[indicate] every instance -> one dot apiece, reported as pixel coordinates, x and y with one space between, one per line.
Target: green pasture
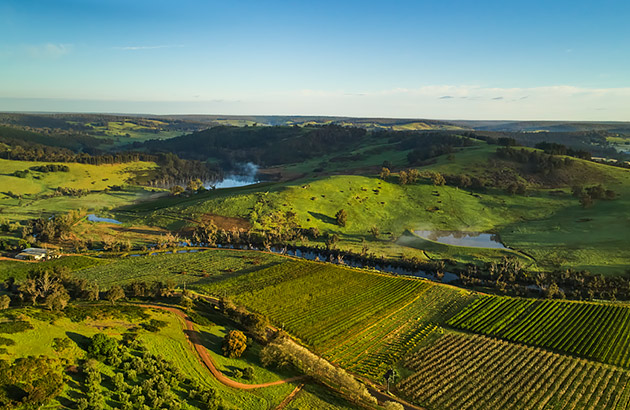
24 198
548 225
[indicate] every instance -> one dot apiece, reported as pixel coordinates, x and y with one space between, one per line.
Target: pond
94 218
459 238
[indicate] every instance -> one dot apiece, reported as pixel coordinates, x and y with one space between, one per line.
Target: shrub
15 327
154 325
102 346
234 343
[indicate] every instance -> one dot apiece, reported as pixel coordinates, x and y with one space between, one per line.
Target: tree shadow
208 340
82 341
324 218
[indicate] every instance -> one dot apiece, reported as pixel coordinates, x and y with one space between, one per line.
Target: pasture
547 224
33 195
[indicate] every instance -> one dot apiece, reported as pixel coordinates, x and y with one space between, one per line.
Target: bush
5 341
15 327
154 325
102 346
234 343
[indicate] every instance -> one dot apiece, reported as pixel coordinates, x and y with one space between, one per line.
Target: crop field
18 269
320 303
387 340
594 331
189 267
316 397
362 321
477 372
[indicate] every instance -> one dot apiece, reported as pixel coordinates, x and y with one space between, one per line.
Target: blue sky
422 59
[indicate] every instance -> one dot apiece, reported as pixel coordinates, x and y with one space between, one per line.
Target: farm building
34 254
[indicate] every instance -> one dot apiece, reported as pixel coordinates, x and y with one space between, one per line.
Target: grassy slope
81 176
550 228
170 342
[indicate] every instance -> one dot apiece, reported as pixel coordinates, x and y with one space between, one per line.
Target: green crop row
595 331
478 372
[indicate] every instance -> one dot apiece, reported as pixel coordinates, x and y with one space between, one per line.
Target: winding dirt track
204 357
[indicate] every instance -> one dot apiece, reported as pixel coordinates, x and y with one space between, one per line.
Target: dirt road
204 356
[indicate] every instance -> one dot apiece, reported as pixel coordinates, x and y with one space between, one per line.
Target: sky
516 60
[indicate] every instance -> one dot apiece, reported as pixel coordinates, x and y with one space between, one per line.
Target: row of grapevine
594 331
478 372
321 303
379 345
360 320
196 267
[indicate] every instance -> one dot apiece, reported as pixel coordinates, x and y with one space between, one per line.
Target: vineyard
477 372
363 321
190 268
386 341
593 331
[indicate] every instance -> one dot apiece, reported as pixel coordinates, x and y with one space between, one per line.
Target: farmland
599 332
363 321
189 268
478 372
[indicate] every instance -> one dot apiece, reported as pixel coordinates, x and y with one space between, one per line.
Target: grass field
169 342
547 224
174 345
590 330
477 372
33 189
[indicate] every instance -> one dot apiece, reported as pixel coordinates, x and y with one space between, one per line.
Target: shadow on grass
324 218
82 341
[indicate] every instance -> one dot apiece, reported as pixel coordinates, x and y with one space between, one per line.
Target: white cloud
49 50
472 102
561 102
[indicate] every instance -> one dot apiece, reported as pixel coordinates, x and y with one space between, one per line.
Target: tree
194 185
58 299
234 343
177 190
114 294
390 376
393 405
186 302
5 301
413 175
102 346
437 179
403 177
374 231
248 373
342 217
385 173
